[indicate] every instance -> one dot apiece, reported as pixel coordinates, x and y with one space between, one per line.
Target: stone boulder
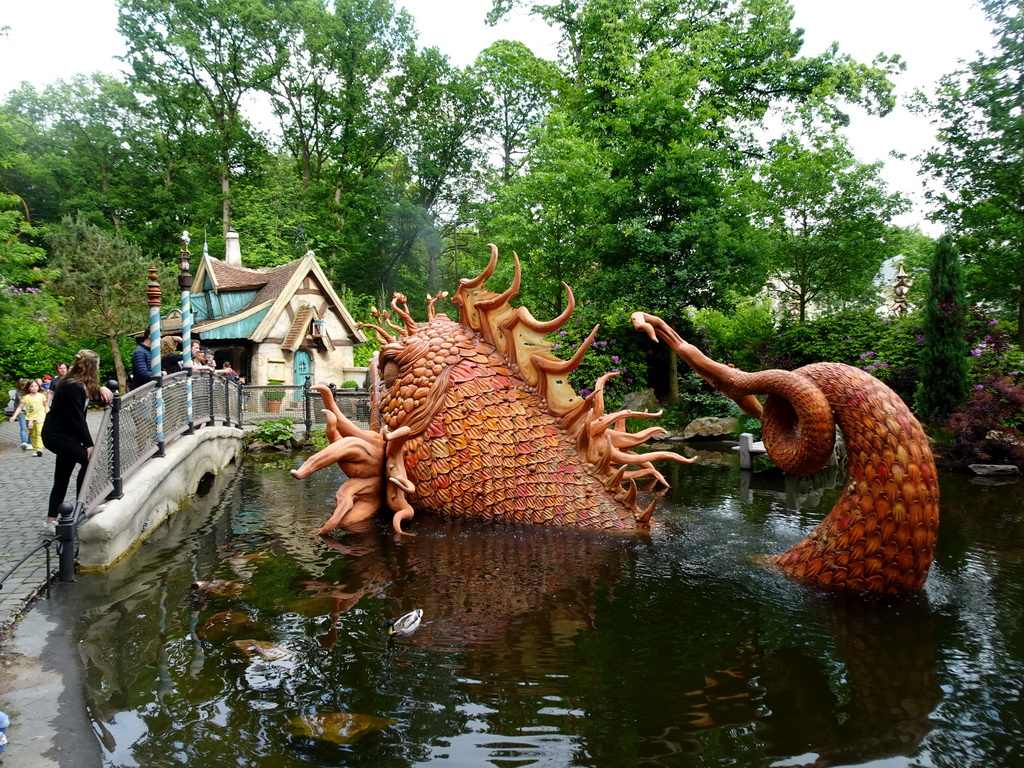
990 470
711 426
643 400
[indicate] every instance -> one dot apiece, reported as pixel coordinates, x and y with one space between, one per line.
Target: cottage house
274 325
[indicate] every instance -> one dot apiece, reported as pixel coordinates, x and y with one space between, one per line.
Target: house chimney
232 251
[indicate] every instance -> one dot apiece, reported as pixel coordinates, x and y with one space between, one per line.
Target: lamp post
185 283
153 296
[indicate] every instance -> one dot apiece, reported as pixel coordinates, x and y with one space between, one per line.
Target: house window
317 329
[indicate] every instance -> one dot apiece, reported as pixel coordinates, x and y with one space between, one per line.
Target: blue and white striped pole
185 283
153 294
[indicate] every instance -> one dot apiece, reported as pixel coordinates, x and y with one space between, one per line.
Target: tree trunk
225 194
673 378
115 353
1020 317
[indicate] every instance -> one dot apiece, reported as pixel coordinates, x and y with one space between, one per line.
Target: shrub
362 354
738 337
272 431
613 349
350 385
886 347
988 427
318 437
273 394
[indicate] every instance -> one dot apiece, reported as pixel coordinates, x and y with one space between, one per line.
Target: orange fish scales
857 552
881 506
813 568
857 530
873 565
872 544
922 537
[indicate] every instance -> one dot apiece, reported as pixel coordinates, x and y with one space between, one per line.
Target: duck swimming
406 624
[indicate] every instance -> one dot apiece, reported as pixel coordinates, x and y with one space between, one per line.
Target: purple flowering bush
31 342
989 428
616 348
884 346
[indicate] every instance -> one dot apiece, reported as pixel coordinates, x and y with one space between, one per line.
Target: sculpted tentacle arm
718 375
880 535
360 455
399 483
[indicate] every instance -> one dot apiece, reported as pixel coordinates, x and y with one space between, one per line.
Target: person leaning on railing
66 430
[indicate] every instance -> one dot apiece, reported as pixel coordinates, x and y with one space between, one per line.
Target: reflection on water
552 648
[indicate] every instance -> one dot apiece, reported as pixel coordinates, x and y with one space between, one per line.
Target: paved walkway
25 482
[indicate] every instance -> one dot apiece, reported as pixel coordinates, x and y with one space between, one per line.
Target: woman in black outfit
66 431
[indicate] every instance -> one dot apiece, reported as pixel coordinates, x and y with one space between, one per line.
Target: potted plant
274 397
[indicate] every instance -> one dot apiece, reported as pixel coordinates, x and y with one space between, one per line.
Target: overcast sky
50 39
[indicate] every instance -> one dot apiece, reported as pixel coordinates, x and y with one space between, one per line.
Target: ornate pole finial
153 288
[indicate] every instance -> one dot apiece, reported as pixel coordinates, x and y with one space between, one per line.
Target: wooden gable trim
203 272
296 335
309 269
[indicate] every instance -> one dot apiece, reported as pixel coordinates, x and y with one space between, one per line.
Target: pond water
552 648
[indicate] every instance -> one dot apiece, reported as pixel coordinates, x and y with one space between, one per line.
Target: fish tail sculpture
880 535
476 418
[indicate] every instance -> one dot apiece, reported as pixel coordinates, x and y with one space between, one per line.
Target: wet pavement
39 666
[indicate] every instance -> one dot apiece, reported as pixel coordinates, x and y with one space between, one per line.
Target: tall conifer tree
944 369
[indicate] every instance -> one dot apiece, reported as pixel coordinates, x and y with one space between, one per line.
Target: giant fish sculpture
476 418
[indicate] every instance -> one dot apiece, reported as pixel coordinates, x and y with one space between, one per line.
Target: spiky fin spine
520 338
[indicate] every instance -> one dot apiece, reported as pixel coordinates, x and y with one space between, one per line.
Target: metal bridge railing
129 436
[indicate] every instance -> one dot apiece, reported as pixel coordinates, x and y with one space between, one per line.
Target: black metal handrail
120 452
45 544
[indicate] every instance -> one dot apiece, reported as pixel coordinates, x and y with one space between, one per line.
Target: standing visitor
141 357
19 415
198 358
35 406
66 430
61 370
228 372
170 357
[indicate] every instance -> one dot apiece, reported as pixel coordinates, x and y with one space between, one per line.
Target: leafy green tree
669 96
31 332
824 220
344 110
219 52
944 365
440 172
102 279
18 254
520 85
84 149
978 112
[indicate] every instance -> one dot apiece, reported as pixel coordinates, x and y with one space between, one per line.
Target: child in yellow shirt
36 408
